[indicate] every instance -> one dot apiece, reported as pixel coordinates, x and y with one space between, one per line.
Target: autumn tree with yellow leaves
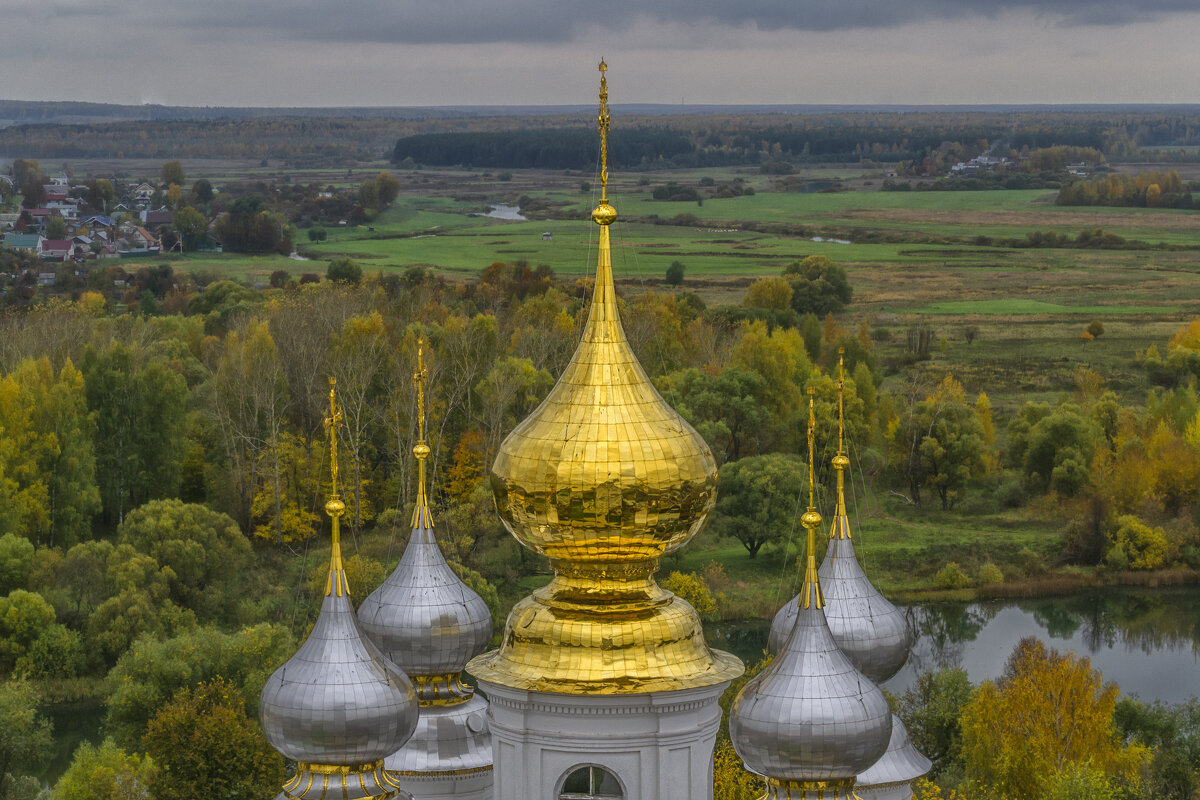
1049 713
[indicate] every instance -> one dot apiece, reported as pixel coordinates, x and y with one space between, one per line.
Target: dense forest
164 472
712 139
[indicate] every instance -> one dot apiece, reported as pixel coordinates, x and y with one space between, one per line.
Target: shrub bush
990 575
951 576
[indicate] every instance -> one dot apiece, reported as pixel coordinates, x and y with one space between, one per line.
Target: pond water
502 211
74 723
1147 642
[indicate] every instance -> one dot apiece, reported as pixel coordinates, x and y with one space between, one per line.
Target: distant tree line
774 141
1145 190
545 148
565 141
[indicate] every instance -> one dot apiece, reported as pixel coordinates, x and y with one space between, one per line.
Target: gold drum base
604 631
810 790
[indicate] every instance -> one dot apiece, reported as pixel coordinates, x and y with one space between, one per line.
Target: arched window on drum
591 783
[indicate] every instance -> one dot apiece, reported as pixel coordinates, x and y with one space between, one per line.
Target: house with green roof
23 241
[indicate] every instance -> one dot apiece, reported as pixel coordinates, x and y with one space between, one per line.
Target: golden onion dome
604 470
604 477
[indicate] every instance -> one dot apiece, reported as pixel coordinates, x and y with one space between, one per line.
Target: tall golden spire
603 478
421 516
604 304
810 594
335 508
840 529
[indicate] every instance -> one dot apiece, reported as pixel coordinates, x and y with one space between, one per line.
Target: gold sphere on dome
604 214
840 461
810 519
335 507
421 450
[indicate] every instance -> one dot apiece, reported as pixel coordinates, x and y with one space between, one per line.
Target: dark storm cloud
458 22
469 21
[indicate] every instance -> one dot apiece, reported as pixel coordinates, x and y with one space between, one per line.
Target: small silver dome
869 629
423 617
338 700
900 764
810 715
810 719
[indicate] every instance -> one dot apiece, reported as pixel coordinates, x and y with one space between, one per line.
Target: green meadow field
915 261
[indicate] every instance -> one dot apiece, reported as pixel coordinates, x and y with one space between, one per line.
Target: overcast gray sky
455 52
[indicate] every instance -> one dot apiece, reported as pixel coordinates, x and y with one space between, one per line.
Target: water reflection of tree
1058 620
945 631
1156 621
1141 621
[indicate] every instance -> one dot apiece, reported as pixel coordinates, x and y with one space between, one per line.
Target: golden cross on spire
331 425
421 516
604 121
419 378
812 430
841 384
811 594
336 582
840 528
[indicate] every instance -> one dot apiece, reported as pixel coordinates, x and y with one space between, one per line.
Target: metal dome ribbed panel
423 617
810 715
900 764
448 738
338 700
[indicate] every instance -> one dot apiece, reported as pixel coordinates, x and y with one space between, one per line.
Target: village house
55 249
142 194
159 216
24 241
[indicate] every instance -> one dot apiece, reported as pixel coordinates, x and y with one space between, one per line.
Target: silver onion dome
423 617
898 767
810 722
810 715
430 623
869 629
338 706
338 700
